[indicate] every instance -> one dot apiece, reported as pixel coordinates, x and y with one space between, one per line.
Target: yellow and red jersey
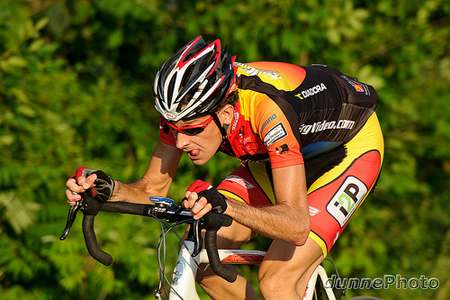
288 114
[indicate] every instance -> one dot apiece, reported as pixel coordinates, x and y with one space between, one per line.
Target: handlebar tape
213 221
91 241
214 260
126 208
88 228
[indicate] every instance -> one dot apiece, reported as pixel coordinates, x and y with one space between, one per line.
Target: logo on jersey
282 149
275 134
271 118
347 199
325 125
311 91
241 181
253 71
236 120
358 86
313 211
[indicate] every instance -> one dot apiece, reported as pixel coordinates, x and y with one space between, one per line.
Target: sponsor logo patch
236 120
282 149
347 199
324 125
241 181
358 86
275 134
266 122
311 91
253 71
313 211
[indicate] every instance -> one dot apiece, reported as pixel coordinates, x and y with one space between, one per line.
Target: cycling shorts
338 183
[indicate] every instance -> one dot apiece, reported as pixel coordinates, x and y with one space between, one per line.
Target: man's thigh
250 184
231 237
234 236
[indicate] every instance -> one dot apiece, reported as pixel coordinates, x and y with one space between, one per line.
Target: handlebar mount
162 208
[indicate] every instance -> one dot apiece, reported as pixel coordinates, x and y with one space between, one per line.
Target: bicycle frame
319 273
183 281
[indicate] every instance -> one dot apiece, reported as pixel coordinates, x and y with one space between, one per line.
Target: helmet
194 81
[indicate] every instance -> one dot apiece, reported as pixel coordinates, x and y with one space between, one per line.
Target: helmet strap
225 142
221 128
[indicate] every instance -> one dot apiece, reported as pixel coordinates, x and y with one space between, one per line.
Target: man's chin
200 159
199 162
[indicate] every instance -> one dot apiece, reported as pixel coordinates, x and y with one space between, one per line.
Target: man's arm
155 182
288 220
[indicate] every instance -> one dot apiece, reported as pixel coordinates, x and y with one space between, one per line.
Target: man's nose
182 140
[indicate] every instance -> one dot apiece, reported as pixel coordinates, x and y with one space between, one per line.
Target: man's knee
273 284
286 269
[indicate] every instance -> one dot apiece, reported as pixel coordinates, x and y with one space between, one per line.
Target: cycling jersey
288 114
338 183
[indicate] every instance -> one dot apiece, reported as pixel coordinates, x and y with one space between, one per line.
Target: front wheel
364 298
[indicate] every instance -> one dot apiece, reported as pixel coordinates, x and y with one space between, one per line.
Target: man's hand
202 197
96 182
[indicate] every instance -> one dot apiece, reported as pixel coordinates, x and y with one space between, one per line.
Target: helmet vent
170 88
188 97
187 75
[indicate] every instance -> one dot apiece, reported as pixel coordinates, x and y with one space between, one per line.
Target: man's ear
226 114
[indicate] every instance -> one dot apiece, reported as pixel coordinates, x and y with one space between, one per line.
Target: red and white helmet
194 81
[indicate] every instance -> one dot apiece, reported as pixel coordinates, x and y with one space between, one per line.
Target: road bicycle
191 255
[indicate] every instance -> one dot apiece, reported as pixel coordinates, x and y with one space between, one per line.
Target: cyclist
311 149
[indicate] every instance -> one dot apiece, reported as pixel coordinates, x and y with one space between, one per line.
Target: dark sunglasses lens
193 131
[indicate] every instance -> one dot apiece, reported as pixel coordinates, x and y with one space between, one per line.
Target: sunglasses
190 130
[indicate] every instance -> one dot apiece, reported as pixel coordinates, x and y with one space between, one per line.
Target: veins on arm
156 180
288 220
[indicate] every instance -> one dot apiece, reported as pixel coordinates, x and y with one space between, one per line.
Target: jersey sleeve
275 131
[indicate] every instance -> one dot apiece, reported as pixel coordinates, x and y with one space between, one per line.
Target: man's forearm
135 192
280 221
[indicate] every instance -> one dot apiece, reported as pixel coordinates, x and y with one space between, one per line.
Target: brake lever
71 218
197 238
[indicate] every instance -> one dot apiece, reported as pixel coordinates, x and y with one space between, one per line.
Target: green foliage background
75 90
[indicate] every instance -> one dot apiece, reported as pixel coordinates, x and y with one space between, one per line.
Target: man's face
202 146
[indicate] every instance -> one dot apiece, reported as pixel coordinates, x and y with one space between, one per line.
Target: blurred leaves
76 79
